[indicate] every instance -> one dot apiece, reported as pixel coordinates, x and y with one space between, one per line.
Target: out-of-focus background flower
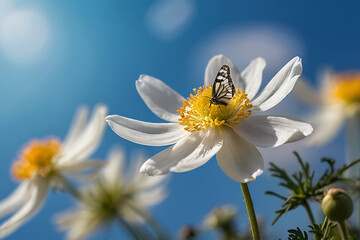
57 55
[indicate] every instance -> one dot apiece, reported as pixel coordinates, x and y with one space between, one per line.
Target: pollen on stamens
347 87
36 157
198 114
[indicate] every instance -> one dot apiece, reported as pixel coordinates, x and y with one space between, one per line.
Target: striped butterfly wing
223 88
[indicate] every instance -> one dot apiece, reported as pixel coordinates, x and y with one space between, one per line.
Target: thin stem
343 231
309 212
327 224
358 202
353 148
68 187
251 211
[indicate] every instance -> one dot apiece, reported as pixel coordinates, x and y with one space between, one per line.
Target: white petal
133 174
152 134
327 123
34 203
160 98
68 219
143 182
214 66
252 76
307 94
82 177
77 166
88 139
152 197
15 200
271 131
79 223
130 215
77 126
150 182
79 170
326 77
279 87
139 181
187 154
114 168
239 159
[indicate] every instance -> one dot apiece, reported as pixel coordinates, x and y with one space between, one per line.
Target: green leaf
297 234
302 186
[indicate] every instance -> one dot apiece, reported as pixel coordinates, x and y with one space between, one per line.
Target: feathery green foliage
303 186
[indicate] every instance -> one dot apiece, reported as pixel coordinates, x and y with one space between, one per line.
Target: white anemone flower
42 164
199 130
337 100
118 194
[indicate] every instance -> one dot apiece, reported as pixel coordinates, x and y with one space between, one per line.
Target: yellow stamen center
347 87
36 157
197 114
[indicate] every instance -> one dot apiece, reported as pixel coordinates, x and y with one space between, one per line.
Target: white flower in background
168 19
42 164
199 130
117 195
337 100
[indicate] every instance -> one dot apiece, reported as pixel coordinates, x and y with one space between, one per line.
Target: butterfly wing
223 88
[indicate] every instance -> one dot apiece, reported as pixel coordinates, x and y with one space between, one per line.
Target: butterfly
223 88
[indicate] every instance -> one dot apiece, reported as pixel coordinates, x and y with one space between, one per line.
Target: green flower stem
309 212
311 216
327 224
68 187
251 211
73 191
353 148
343 230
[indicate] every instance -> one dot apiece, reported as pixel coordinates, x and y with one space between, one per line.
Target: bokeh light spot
24 35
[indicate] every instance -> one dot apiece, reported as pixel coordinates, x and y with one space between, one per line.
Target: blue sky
57 55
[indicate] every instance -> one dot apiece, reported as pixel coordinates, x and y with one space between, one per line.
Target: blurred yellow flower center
348 87
36 157
197 114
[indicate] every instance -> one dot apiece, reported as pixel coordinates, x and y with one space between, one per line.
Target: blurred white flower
220 217
24 35
118 194
337 100
42 164
200 130
167 19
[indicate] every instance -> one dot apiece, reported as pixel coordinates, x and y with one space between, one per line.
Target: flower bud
188 232
337 205
221 217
